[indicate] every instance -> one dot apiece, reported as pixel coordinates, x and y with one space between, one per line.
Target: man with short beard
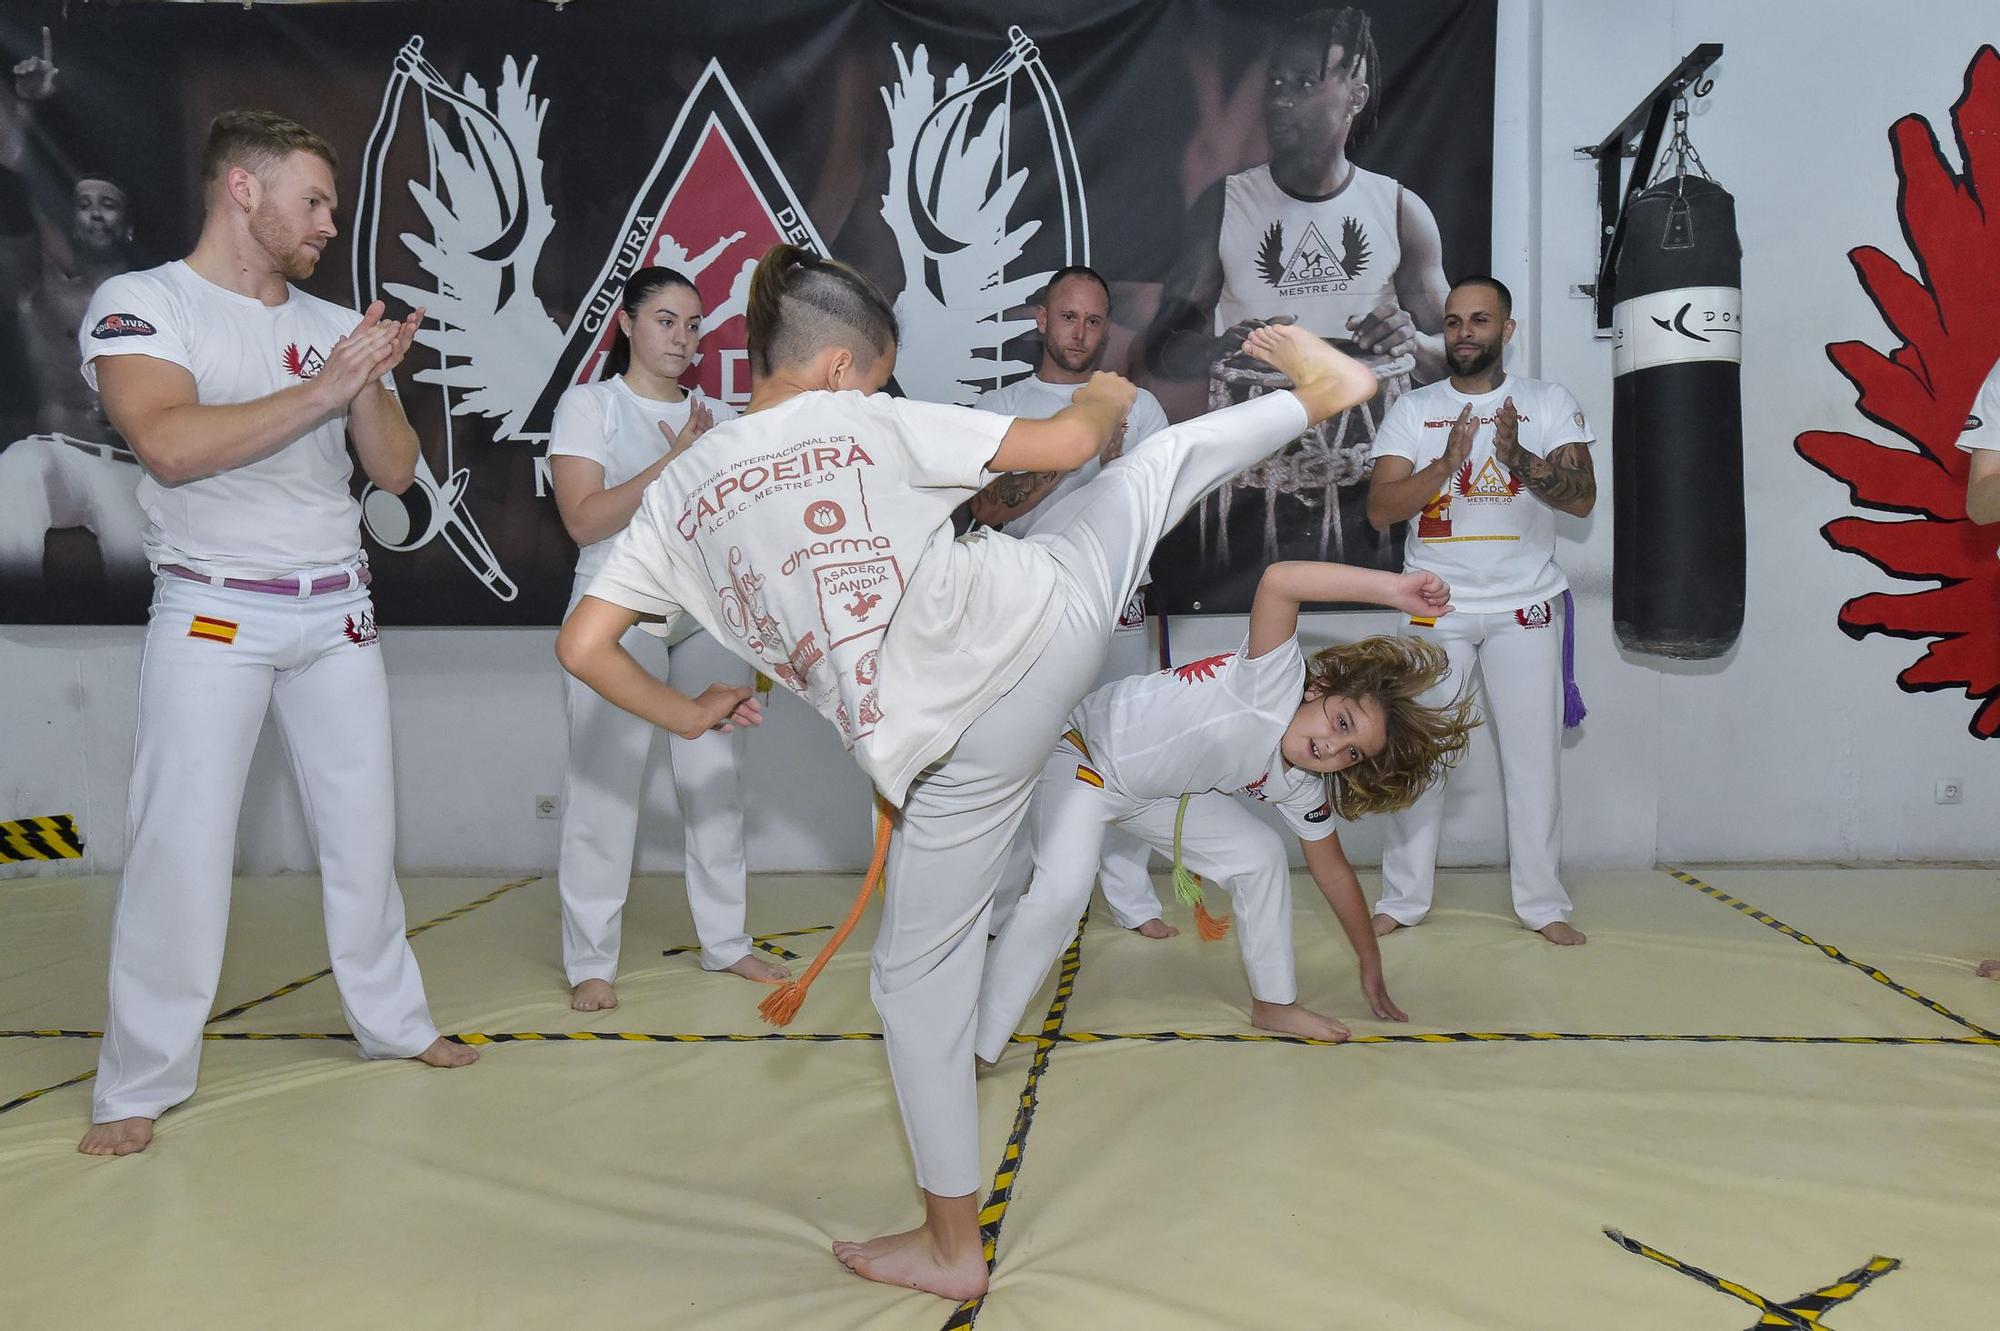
1074 319
1483 461
239 393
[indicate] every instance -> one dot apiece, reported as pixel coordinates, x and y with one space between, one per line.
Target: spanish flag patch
1424 621
1088 777
215 630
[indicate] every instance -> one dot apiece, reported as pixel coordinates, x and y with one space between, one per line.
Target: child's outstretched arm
1071 437
1274 614
588 648
1336 881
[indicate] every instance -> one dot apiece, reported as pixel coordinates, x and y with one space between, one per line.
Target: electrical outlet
1950 791
547 806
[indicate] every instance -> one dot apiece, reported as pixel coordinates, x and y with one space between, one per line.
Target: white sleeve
1309 819
578 428
1401 432
1274 680
131 314
947 447
637 572
1982 427
1565 422
1147 418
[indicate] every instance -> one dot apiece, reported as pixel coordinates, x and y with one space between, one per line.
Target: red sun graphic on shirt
1922 391
1196 671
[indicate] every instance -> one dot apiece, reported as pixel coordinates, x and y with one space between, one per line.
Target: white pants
962 814
1221 840
48 483
1519 655
1121 870
608 751
201 703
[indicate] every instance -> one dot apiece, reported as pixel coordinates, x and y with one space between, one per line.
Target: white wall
1798 746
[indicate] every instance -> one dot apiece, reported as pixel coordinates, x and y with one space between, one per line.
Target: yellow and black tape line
1770 921
639 1037
762 942
50 838
1803 1313
293 987
994 1213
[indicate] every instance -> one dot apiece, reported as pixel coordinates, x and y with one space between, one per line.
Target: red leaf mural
1922 390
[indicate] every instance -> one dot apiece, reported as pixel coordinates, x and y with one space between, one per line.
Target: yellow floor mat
1459 1172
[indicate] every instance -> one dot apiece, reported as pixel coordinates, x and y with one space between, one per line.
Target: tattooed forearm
1011 494
1564 480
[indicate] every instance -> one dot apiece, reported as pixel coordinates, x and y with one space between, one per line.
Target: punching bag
1677 422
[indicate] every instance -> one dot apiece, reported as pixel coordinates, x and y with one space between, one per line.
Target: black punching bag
1677 423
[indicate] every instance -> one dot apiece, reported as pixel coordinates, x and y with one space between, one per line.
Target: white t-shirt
1323 261
290 511
1982 426
614 427
1212 724
1494 542
813 539
1037 399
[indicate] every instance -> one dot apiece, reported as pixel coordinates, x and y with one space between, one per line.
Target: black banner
507 170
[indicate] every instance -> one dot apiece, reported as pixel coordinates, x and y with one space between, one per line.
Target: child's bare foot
1989 970
593 996
121 1136
1291 1019
754 967
909 1259
444 1053
1156 928
1324 380
1386 925
1561 934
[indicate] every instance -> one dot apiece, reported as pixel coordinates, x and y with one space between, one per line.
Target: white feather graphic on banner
494 341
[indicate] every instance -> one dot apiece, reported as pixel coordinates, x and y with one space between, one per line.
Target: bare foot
754 967
593 996
121 1136
1989 970
1561 934
910 1260
1325 381
1291 1019
444 1053
1386 925
1156 928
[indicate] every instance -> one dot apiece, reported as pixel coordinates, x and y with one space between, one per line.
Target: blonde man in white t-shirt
239 394
813 535
1484 461
1074 319
1981 439
609 441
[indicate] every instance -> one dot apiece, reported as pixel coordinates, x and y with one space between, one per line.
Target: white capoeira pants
1121 872
608 751
1221 840
202 701
51 481
1519 657
961 816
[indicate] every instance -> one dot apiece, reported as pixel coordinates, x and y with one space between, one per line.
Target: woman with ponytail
813 536
610 440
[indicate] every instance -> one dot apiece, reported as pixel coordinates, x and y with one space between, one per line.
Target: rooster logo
1196 671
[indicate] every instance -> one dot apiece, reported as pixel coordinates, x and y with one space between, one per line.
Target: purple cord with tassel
1573 709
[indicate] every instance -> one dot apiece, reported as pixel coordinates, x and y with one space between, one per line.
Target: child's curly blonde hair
1421 741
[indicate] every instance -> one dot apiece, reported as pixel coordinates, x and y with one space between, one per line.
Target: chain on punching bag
1677 417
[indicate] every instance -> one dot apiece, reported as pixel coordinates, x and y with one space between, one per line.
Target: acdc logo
825 517
1535 616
